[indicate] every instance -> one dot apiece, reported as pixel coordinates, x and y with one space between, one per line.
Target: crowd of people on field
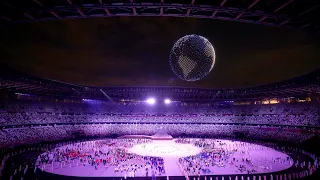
108 154
104 154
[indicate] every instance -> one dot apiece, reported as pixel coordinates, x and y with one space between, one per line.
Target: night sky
134 51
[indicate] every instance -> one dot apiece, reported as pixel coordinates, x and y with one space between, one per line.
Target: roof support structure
276 10
79 10
6 18
189 10
134 9
38 10
106 95
38 2
161 9
300 14
51 11
304 26
308 10
221 4
249 7
29 16
55 14
105 9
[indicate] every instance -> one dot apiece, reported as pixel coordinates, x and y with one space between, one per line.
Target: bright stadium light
151 101
167 101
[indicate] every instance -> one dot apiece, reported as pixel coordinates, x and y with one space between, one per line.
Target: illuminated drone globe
192 57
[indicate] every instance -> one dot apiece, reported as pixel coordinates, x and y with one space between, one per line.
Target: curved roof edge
17 81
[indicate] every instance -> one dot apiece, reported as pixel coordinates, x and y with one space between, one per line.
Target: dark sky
131 51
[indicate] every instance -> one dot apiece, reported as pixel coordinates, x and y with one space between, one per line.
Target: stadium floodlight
167 101
151 101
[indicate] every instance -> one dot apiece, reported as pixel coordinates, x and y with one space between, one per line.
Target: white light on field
167 101
151 101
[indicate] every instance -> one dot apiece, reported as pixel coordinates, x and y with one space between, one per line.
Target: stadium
264 117
66 114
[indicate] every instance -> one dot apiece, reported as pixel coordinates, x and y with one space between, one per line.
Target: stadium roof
291 14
